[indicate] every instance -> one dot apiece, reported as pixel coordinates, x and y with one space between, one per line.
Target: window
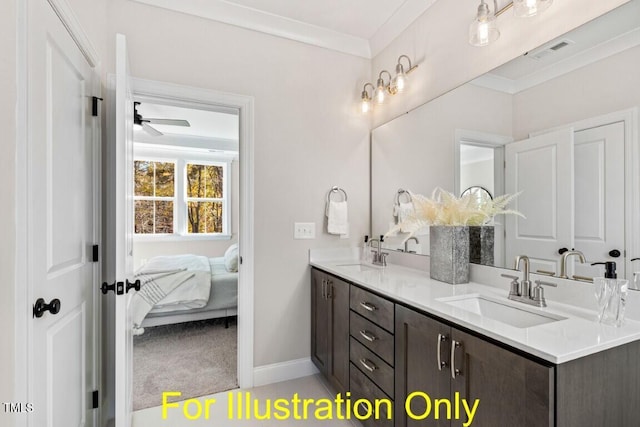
184 197
154 197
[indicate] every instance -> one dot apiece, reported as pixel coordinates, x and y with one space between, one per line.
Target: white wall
478 173
437 40
603 87
7 207
209 248
309 136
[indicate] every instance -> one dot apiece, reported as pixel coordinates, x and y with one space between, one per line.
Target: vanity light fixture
483 30
391 86
366 99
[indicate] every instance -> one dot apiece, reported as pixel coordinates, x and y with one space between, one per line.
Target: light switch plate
304 230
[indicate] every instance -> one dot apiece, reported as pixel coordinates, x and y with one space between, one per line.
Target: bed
187 298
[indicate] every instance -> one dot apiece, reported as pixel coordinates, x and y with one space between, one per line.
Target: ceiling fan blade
151 130
169 122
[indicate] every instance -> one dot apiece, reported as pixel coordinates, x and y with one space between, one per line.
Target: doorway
207 102
185 229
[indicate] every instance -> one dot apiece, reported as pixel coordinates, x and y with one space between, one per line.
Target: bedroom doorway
190 217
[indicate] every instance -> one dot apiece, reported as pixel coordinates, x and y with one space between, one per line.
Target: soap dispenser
611 294
365 256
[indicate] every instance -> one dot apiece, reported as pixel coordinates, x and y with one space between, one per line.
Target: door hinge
95 399
94 105
240 258
95 251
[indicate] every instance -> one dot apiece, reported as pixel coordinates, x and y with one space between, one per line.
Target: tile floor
310 387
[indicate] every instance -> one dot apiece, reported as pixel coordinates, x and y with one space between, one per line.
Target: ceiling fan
145 123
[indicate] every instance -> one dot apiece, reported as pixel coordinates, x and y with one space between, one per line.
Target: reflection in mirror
557 125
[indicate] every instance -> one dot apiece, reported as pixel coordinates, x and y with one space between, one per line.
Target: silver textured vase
449 253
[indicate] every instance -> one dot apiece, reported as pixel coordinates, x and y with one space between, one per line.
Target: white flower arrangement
443 208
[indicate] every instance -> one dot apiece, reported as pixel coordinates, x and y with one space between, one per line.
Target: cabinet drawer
372 336
373 307
372 366
362 387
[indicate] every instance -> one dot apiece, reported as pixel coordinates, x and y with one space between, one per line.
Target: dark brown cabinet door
319 321
338 326
417 367
330 328
512 390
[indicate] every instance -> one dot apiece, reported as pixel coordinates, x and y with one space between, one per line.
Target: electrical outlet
304 230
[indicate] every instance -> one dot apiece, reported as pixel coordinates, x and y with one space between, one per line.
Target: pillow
231 258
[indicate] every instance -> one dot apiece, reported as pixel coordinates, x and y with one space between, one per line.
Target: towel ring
335 189
400 193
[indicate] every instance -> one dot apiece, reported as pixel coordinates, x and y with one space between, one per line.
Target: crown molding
253 19
280 26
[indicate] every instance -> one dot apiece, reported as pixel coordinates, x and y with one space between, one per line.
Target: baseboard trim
283 371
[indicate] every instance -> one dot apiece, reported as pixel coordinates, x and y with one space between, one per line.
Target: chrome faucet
379 257
523 292
406 244
563 263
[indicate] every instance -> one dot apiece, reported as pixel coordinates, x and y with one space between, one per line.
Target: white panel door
61 223
541 169
599 197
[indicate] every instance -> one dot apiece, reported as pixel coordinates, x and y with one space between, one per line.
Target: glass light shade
399 83
365 105
526 8
483 30
380 94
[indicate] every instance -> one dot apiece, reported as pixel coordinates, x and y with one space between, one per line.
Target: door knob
133 285
40 307
614 253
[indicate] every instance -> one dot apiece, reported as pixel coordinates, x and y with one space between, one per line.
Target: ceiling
358 27
215 130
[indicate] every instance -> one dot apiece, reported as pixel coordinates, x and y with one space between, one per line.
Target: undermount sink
357 267
519 317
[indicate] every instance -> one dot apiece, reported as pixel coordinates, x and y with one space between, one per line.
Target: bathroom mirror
558 124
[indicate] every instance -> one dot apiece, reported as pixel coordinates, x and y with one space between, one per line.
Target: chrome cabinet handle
324 289
454 372
368 306
368 365
329 289
441 364
367 336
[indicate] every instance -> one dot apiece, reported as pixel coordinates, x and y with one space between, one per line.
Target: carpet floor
194 358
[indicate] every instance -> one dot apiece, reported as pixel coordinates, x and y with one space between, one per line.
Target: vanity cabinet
447 363
330 328
376 348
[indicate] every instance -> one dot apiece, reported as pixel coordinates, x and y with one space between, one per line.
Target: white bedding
183 280
192 293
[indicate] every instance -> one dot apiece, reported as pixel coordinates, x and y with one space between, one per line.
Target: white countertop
560 341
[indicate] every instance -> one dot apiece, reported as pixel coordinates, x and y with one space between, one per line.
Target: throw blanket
170 280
